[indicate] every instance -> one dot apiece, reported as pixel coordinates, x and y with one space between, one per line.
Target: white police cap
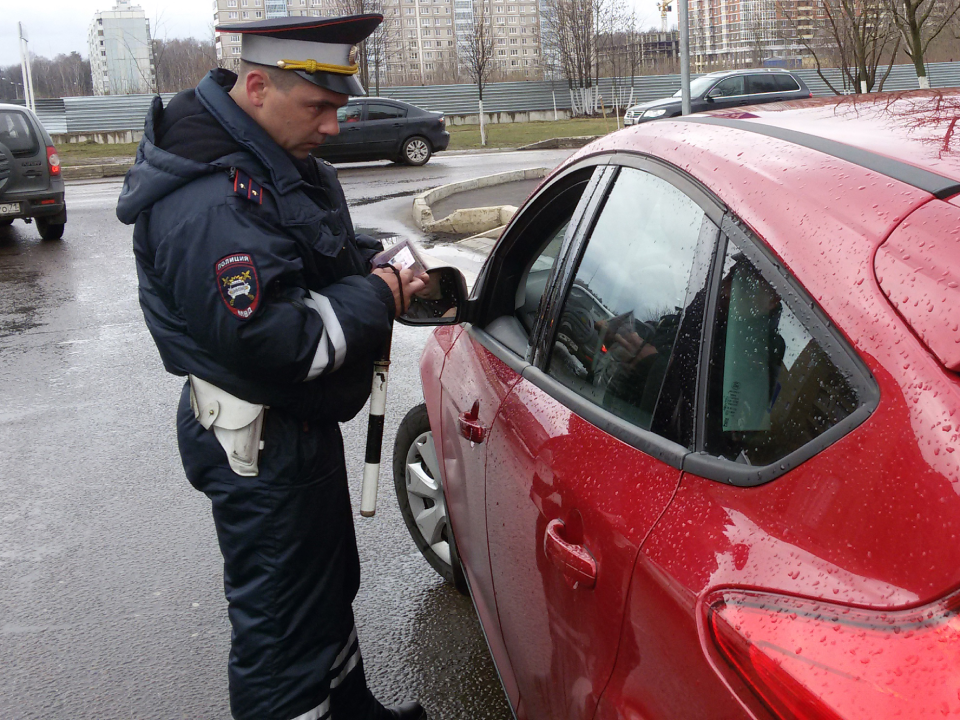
321 50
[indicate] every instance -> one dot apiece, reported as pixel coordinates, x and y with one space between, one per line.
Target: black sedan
383 129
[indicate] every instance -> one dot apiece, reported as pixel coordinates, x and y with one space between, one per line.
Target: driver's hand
409 284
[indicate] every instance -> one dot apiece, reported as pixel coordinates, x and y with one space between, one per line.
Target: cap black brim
346 84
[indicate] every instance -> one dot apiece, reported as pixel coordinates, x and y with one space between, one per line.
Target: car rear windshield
17 134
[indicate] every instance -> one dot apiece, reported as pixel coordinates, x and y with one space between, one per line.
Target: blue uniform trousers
290 569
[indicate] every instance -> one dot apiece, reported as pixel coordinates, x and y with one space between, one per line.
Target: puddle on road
19 290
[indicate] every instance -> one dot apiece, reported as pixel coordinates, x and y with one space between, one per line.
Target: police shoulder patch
246 187
238 284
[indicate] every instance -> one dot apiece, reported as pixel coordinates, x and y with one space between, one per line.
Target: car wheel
416 151
416 476
49 230
6 221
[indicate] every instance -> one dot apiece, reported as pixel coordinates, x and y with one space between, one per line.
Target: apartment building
419 39
744 33
121 54
425 40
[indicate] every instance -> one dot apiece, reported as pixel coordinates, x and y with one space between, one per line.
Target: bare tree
476 53
855 35
568 39
618 50
370 57
66 75
919 23
182 63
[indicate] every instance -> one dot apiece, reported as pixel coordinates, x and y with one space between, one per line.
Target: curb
86 172
469 220
561 143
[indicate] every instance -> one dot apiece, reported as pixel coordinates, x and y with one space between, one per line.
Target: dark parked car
382 129
31 186
721 90
749 509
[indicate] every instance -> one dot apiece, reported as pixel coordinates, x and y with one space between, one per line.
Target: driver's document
402 256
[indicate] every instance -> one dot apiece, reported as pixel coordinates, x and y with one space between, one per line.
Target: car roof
747 71
914 128
12 106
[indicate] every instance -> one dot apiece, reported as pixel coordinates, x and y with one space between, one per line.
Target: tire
416 477
4 222
49 230
416 150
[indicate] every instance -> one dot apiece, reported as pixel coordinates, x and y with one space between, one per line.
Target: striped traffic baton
378 405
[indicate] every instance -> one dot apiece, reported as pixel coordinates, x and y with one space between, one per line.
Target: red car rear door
768 501
585 451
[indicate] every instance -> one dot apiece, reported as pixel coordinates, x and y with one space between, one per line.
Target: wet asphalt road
111 597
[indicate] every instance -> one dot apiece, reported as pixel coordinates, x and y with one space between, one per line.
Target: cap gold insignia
352 57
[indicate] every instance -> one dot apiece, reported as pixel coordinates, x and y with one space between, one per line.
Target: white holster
236 423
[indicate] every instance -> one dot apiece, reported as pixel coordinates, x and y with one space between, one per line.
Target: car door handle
470 426
575 562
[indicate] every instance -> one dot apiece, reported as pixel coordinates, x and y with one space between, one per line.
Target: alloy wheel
425 495
417 151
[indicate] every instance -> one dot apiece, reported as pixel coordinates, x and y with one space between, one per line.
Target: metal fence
113 113
539 96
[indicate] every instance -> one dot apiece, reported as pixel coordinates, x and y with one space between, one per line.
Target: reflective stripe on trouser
291 569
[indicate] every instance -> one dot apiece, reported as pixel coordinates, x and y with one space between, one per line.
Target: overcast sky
60 26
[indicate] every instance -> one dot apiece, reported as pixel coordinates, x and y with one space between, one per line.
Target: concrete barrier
101 138
95 170
469 220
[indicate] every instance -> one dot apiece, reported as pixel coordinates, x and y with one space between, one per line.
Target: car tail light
442 120
811 95
53 160
809 659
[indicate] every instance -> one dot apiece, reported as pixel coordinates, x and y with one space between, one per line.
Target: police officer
256 288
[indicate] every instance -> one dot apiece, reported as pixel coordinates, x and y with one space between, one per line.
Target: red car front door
473 384
585 451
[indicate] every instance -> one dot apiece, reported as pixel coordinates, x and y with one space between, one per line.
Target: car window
376 111
17 134
534 282
349 114
698 86
786 83
772 387
620 319
728 87
761 84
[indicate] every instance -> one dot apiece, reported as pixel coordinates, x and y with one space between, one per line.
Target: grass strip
462 137
507 135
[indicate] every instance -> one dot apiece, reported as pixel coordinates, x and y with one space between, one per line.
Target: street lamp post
684 58
28 98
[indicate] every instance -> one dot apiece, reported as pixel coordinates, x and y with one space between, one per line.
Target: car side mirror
709 97
441 301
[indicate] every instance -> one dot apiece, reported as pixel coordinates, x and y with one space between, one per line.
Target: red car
692 442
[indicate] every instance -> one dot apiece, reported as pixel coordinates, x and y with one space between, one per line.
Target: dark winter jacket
250 276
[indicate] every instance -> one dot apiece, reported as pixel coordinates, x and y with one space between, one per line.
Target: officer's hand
409 284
